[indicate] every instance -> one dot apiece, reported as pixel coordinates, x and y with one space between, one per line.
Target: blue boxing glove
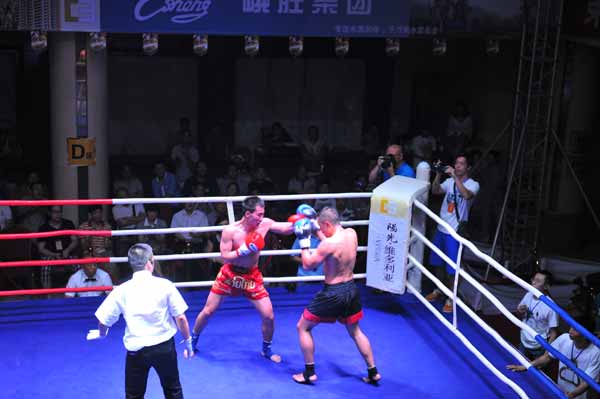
306 211
302 229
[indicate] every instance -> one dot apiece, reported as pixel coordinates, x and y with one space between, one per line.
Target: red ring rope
45 234
53 262
104 201
42 291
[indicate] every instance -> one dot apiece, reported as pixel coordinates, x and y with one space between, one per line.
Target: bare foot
372 380
299 378
274 357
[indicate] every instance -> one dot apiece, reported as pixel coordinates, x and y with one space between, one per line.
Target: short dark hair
152 208
250 203
93 208
465 156
547 276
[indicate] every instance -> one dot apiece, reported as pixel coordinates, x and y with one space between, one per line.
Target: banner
78 15
81 151
354 18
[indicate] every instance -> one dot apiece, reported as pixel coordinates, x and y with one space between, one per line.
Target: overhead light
296 45
342 46
392 46
492 47
98 41
150 43
200 44
39 40
439 46
251 45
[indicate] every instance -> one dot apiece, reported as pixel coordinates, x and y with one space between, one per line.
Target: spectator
164 183
60 247
99 246
126 216
230 177
301 183
314 150
538 316
261 184
460 130
88 276
391 164
581 352
233 190
321 203
185 155
423 146
459 191
189 216
6 218
158 242
201 176
128 181
32 217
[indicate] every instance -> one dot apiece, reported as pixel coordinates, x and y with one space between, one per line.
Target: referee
148 304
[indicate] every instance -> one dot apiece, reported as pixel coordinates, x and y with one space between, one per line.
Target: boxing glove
306 210
253 244
294 218
302 229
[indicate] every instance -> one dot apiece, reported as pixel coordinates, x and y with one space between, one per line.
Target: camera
439 167
388 160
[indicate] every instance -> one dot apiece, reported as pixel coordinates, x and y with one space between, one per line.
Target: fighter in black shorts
339 299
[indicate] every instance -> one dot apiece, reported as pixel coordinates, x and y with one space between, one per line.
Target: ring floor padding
45 354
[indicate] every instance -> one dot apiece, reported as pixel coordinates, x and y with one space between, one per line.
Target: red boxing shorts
339 302
233 280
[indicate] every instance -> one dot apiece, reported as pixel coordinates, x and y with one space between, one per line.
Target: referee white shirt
148 305
80 280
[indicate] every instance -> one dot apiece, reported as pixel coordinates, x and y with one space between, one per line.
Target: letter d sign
81 151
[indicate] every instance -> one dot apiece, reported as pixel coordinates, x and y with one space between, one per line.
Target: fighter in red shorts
339 299
241 243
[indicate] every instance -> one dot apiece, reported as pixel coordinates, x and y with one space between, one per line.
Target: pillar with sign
389 232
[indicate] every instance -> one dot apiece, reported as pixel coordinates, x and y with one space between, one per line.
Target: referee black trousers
163 358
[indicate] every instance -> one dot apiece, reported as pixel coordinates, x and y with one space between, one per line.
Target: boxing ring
45 353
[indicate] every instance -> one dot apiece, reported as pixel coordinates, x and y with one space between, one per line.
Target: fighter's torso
239 238
339 265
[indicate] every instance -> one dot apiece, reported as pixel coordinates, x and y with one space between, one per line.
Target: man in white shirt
189 216
538 316
153 310
88 276
459 191
581 352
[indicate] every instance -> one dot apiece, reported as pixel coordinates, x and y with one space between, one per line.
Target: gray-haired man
148 304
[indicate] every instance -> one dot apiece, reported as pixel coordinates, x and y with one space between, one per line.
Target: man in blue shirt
385 169
317 271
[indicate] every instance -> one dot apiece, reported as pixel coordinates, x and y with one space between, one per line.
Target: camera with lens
388 160
439 167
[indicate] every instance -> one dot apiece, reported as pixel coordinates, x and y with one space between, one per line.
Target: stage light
296 45
39 40
342 46
392 46
439 46
200 44
98 41
251 45
150 43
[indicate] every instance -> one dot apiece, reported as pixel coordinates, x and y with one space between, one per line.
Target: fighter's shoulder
231 228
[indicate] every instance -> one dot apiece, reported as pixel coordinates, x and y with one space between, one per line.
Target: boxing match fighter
339 299
241 243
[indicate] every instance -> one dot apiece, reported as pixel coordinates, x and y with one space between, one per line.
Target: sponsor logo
181 11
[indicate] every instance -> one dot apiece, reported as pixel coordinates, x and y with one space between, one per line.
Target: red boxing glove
255 239
294 218
254 243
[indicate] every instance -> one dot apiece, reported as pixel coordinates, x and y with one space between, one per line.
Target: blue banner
353 18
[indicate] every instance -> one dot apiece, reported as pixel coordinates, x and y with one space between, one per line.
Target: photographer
459 190
390 164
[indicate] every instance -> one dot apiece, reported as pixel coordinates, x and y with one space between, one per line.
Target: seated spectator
6 218
32 217
301 183
230 177
60 247
201 176
261 184
355 208
189 216
164 183
313 150
88 276
574 346
200 191
233 190
158 242
321 203
185 155
126 216
128 181
98 246
26 188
